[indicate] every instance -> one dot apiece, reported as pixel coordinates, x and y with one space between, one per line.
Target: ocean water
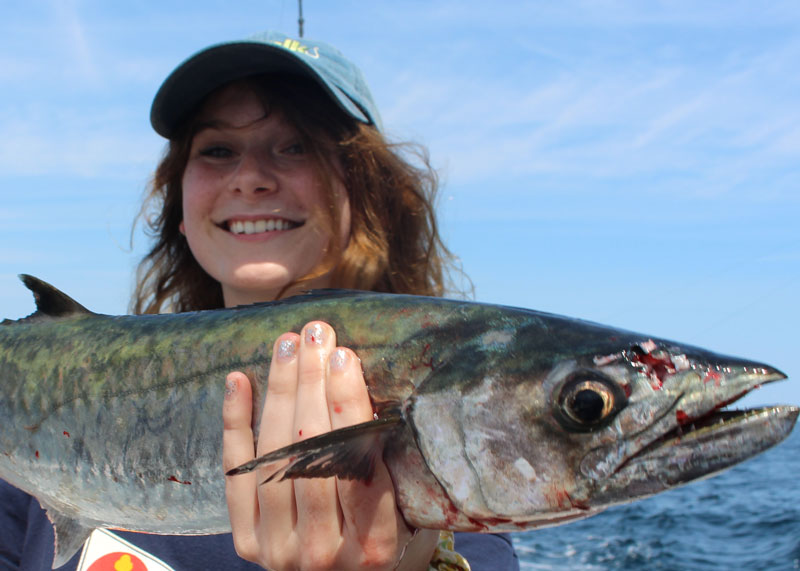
745 518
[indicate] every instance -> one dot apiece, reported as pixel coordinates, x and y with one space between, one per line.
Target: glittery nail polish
231 387
338 360
314 334
287 349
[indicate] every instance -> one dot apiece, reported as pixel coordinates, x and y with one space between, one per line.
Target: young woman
276 180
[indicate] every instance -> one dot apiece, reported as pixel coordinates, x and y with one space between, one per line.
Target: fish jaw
697 451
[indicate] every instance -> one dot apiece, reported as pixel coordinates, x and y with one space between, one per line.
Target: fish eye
587 401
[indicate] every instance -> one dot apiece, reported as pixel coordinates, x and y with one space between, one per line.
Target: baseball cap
268 52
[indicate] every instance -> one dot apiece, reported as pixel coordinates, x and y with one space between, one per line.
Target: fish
489 418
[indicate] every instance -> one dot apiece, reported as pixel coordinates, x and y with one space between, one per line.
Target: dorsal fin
50 302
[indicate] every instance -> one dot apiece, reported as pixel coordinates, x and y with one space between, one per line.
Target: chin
255 282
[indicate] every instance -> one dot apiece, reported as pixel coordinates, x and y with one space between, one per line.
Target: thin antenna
300 19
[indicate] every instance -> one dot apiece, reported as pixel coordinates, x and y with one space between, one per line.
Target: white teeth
257 226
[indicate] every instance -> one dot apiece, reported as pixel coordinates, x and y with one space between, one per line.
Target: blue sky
633 163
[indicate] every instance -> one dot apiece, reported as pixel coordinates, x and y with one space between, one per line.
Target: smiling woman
253 202
357 179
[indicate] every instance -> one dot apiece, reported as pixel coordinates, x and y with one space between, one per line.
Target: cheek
343 205
195 205
195 191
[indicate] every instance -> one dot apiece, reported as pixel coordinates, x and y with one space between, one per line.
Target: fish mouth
721 419
701 446
721 435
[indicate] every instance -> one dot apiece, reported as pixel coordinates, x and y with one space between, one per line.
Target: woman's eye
294 149
216 152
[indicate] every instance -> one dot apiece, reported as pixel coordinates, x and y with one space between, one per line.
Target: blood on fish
174 479
337 409
300 432
681 417
659 365
36 453
480 525
561 497
428 363
451 515
578 504
712 376
496 520
66 434
655 366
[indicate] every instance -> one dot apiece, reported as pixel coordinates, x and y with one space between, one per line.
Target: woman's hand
314 387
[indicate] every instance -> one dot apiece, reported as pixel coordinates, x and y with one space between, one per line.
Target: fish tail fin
348 453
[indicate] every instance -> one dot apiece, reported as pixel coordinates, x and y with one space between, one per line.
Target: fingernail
286 349
338 360
231 386
314 334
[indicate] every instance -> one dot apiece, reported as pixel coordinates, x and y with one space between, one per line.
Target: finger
278 511
238 448
311 413
346 392
276 429
317 503
368 508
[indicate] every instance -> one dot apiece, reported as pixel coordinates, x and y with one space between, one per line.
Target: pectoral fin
348 453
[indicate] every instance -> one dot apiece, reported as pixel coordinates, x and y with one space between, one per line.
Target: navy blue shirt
26 542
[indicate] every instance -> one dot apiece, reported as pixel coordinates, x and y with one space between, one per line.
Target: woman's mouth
260 226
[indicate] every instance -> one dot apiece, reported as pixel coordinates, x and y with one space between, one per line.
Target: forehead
235 105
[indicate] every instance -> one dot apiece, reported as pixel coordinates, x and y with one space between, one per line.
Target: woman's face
255 212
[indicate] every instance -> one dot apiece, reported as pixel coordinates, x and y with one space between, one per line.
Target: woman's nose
254 174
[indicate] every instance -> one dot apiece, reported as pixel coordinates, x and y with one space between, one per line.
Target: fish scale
115 421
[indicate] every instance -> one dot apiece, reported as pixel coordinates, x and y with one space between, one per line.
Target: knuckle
246 547
379 553
265 555
318 558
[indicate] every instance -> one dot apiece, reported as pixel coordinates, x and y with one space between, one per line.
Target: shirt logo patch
118 562
105 551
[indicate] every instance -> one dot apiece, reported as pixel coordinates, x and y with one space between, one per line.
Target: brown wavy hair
394 244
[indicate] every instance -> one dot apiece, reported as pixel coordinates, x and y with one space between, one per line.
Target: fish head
560 419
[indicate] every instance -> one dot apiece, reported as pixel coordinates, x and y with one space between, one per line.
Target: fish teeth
258 226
